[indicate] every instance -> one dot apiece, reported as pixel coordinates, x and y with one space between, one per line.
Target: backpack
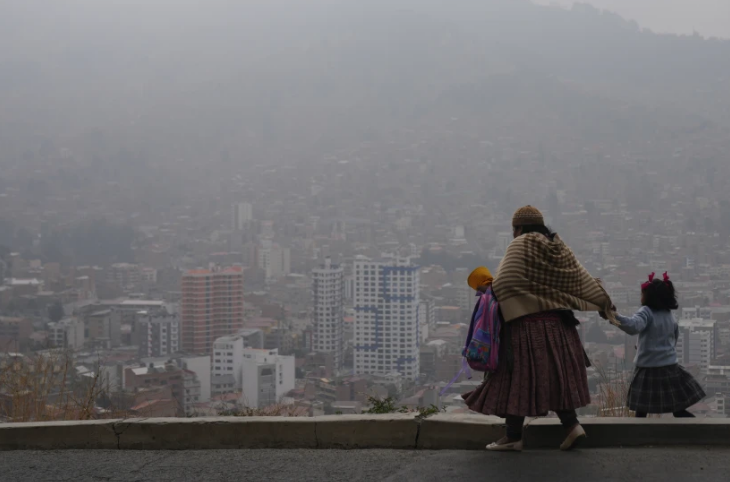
482 343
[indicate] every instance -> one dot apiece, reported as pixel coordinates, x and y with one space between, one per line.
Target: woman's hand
602 314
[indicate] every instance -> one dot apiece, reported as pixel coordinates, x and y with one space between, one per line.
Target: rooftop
203 272
142 303
23 282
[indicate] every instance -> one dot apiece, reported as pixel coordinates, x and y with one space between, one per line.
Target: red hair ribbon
645 284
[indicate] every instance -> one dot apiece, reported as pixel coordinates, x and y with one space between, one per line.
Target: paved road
645 465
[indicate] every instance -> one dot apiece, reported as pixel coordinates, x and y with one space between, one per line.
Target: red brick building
212 306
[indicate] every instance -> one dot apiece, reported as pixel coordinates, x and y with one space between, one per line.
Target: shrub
388 405
45 386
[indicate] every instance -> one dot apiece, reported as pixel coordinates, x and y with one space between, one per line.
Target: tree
56 312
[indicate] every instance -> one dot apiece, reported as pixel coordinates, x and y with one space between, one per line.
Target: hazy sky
707 17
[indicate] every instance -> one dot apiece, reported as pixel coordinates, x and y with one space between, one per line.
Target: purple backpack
482 343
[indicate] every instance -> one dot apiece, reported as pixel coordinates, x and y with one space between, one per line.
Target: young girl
660 384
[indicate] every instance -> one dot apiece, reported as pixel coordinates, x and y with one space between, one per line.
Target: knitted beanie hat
480 277
528 216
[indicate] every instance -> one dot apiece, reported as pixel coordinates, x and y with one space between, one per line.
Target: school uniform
660 384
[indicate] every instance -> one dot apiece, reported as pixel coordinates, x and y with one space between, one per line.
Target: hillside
266 82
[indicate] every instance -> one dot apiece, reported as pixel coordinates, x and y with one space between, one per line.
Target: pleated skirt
665 389
547 372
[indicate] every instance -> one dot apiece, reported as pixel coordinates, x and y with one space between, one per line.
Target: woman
542 364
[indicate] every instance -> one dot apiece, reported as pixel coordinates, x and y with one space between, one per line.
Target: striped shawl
538 274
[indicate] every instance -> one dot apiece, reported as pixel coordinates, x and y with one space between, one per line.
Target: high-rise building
212 306
273 259
386 303
697 342
327 297
241 214
426 318
158 334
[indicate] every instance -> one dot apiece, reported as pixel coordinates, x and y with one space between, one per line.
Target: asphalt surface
589 465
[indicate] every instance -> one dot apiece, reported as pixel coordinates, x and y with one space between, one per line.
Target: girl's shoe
504 445
575 437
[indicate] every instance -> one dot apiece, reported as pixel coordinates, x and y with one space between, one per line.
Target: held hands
602 314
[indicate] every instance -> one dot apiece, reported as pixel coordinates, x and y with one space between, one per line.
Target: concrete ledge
216 433
396 431
459 431
94 434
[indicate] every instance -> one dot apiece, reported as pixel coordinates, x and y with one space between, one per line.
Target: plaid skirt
663 390
547 372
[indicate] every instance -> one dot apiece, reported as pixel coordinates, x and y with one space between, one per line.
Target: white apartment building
694 349
387 332
327 298
273 259
696 343
426 317
241 214
228 353
200 365
67 333
267 377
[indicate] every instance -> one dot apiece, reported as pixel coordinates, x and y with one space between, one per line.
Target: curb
461 432
393 431
633 432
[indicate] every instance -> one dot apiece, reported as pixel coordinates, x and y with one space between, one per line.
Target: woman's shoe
504 445
575 437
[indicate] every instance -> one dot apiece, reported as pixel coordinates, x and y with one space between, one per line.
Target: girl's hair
537 228
660 296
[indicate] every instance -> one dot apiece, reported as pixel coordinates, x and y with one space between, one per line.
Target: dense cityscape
271 271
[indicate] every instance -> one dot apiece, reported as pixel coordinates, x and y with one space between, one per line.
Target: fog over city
272 207
706 17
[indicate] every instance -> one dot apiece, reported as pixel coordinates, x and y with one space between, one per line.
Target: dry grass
277 410
45 387
613 391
